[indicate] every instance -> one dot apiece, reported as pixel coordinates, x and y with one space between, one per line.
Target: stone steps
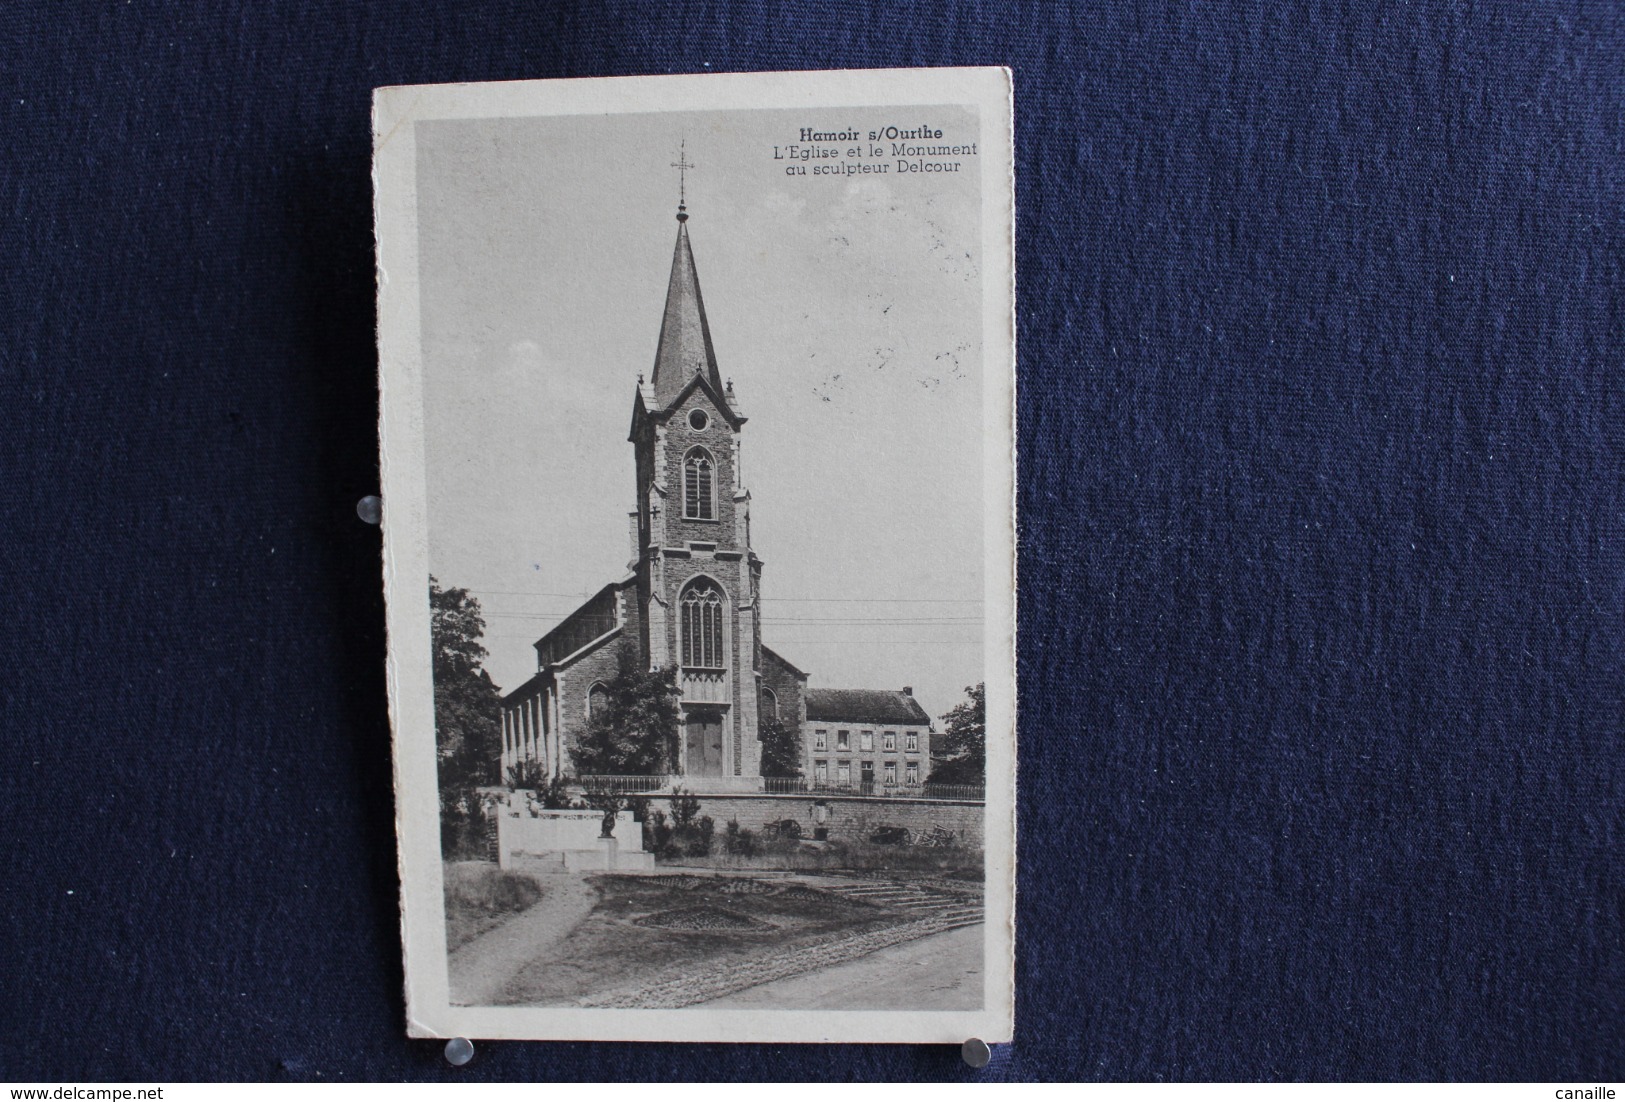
909 899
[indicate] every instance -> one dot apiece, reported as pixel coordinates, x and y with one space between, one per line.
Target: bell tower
697 577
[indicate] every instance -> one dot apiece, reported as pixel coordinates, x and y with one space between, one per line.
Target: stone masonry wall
850 818
574 681
788 688
717 439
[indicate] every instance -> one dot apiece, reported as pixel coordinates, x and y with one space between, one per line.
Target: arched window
699 485
597 698
702 625
770 704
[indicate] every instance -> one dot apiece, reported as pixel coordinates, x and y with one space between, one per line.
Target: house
870 740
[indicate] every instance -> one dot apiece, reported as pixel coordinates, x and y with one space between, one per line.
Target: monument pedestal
720 786
608 856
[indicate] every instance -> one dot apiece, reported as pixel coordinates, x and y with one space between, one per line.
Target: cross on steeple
682 164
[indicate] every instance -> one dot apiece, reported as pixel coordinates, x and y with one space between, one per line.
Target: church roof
596 617
685 336
770 653
864 706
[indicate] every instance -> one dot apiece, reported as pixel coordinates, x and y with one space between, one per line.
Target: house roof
864 706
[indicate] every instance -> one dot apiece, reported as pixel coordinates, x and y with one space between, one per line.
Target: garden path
480 969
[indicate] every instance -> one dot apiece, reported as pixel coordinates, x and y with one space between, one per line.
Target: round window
697 420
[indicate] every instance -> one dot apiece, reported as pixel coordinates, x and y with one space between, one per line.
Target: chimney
908 690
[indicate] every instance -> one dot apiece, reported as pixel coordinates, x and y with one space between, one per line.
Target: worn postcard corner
701 605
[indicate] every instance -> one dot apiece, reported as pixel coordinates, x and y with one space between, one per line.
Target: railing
796 786
661 783
625 785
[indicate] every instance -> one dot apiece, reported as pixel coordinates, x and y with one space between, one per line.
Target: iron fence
628 785
783 786
787 786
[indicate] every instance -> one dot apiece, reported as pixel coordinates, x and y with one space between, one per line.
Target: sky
846 310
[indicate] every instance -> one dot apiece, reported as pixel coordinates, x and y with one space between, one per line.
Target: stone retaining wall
846 818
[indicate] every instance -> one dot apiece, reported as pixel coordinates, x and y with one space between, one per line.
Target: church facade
691 595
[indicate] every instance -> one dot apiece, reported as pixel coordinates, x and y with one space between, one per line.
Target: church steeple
685 335
697 578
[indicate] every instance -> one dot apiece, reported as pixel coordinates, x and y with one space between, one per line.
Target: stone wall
718 441
787 685
574 682
847 818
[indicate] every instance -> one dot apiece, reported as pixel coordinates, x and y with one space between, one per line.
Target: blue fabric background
1322 508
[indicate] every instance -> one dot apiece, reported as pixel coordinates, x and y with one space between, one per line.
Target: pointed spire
685 336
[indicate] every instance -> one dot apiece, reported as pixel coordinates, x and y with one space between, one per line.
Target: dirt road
482 968
941 972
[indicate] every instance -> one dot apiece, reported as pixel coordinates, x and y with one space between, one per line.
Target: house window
698 421
912 773
843 773
699 478
820 740
843 740
821 772
868 776
866 741
770 704
702 625
889 740
913 742
891 772
597 698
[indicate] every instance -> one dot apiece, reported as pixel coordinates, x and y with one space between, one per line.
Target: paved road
940 972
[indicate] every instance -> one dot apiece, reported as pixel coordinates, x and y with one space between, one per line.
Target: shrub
489 889
657 834
463 828
684 809
740 842
555 796
697 837
526 774
890 836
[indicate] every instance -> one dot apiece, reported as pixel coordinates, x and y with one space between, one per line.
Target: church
691 596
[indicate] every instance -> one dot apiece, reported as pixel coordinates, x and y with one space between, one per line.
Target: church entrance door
703 744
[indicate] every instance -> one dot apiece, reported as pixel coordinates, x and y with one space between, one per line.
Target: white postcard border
406 558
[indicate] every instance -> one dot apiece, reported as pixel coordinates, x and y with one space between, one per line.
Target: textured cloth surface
1322 494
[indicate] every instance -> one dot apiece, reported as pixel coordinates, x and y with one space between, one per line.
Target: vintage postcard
701 602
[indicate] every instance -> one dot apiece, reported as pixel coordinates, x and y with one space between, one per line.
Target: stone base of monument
572 838
719 786
609 856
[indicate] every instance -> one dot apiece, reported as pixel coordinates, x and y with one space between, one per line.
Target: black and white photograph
698 467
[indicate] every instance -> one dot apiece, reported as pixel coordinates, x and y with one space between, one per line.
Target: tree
964 739
781 748
467 705
633 729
